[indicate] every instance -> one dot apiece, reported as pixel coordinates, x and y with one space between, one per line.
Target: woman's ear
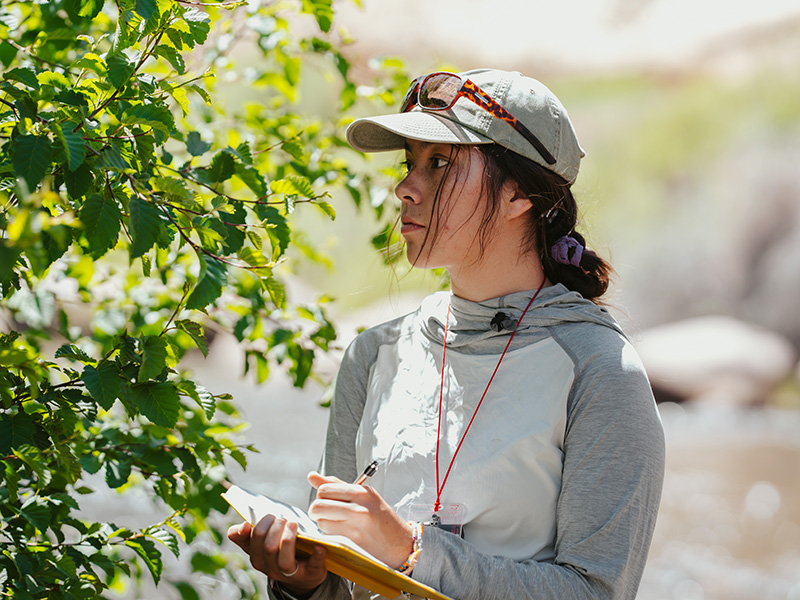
515 202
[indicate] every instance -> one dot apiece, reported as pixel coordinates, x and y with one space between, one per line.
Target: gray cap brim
389 132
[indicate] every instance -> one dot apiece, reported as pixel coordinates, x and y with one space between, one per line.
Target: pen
368 472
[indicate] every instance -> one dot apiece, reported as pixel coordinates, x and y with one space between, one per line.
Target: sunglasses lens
439 91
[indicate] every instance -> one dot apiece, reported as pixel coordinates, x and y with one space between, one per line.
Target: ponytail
553 218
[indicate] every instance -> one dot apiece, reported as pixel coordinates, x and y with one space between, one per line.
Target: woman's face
451 239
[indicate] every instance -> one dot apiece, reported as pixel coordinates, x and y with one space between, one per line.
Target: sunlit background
690 115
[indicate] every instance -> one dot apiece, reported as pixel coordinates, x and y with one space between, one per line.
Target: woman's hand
359 513
271 546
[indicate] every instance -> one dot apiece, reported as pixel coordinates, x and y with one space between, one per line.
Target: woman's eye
440 163
407 165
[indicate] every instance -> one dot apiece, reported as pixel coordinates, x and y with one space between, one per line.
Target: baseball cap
527 99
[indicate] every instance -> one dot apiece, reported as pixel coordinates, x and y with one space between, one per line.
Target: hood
470 322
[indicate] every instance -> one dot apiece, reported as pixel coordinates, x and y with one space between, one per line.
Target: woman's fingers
286 548
240 535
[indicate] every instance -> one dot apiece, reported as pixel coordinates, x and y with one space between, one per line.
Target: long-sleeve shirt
560 473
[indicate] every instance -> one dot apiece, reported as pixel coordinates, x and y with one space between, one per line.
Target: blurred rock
715 359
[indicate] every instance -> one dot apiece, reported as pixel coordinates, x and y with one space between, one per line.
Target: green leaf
120 68
26 76
103 383
222 167
151 115
111 158
72 352
252 179
145 225
148 552
154 357
38 512
186 590
88 8
118 470
293 184
195 331
210 281
322 11
166 538
327 209
277 229
199 394
101 217
16 431
146 8
159 402
173 56
30 155
195 144
74 146
79 181
276 291
199 24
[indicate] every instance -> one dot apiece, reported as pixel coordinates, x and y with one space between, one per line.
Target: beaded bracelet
416 540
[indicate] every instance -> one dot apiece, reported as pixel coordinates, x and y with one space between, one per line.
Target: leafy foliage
133 193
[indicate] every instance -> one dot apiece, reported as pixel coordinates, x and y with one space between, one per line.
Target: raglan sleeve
612 476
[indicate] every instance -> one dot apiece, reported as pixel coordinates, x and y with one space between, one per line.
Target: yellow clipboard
343 557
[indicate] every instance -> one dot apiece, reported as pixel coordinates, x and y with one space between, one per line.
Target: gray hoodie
561 471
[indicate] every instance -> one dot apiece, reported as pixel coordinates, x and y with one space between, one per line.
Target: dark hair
554 214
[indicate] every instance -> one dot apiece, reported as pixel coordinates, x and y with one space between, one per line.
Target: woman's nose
407 191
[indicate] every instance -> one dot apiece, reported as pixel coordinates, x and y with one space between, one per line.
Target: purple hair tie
560 251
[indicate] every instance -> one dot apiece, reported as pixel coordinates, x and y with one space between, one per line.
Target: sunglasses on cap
439 91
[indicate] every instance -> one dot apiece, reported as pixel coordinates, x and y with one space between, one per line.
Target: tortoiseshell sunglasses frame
474 94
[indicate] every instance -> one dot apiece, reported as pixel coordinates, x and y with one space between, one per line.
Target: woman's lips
409 226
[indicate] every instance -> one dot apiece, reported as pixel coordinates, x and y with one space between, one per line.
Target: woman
520 451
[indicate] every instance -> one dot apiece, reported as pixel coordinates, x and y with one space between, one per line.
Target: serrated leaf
159 402
252 179
149 554
151 115
276 291
79 181
145 225
30 155
103 383
195 331
173 56
166 538
277 229
16 431
293 184
210 281
72 352
101 218
154 357
73 143
111 158
146 8
327 209
92 62
38 513
120 68
199 24
195 144
26 76
222 167
201 92
89 8
118 470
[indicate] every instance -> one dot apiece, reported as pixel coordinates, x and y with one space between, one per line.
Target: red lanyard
439 488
